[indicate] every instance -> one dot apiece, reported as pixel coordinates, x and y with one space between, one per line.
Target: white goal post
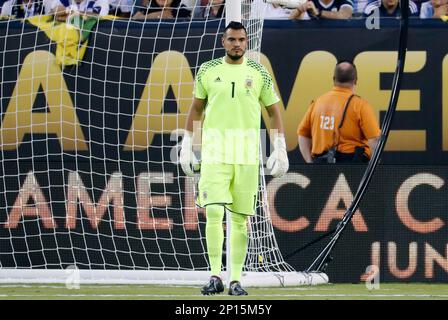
88 186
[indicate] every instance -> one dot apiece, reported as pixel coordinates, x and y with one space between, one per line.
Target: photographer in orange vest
339 126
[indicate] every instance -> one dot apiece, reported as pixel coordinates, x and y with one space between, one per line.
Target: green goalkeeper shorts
233 185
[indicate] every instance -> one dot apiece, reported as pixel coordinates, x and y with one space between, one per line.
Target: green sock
238 244
214 235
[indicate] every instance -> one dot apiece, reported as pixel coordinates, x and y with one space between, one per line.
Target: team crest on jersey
249 83
204 195
218 79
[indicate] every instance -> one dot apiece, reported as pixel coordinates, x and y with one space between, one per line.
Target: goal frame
175 277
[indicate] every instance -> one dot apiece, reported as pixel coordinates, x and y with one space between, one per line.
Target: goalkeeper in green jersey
229 91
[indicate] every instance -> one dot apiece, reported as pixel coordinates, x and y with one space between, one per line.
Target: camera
331 155
327 157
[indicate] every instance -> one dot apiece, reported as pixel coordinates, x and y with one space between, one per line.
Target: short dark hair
235 25
345 75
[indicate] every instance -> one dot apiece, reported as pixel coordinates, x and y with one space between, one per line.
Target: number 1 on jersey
233 89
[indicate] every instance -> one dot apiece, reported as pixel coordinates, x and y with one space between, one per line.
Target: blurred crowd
210 9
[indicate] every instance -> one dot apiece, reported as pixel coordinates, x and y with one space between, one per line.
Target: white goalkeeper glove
187 159
278 160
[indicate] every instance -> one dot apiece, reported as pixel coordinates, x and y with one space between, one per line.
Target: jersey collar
229 64
326 6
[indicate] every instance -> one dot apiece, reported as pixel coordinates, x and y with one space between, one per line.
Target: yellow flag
69 49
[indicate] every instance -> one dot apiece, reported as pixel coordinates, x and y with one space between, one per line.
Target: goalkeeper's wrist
279 141
188 134
187 139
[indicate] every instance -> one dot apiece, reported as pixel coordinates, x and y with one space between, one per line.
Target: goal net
92 112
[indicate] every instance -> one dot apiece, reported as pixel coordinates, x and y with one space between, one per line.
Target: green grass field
387 291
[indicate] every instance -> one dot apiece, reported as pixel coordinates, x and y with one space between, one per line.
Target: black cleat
214 286
236 290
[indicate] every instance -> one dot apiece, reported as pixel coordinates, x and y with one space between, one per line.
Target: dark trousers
356 157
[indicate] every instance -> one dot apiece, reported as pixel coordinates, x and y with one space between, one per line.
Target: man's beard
235 57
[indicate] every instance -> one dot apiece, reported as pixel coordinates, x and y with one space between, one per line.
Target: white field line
99 287
85 286
192 296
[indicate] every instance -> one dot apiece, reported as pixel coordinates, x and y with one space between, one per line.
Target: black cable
289 255
322 260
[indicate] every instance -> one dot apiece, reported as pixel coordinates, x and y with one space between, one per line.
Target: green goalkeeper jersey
231 128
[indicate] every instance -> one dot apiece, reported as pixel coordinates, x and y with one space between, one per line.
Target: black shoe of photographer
235 289
214 286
